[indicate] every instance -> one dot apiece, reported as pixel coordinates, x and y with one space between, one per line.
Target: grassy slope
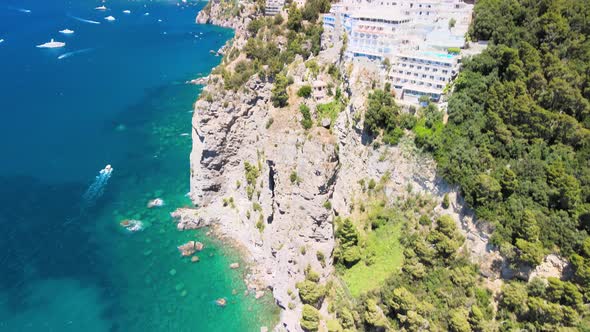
385 243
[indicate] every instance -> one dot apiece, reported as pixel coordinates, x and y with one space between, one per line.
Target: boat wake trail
96 189
22 10
83 19
69 54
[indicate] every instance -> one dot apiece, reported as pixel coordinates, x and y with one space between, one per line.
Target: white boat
146 14
52 44
66 31
1 41
101 8
109 18
127 11
107 170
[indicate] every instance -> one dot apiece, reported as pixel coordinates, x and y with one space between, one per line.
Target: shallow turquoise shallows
115 94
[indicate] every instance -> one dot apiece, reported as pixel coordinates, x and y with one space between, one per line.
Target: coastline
231 128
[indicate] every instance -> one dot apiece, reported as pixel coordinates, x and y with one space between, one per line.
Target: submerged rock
132 225
221 302
157 202
234 266
195 259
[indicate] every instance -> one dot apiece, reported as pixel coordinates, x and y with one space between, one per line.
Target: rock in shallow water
190 248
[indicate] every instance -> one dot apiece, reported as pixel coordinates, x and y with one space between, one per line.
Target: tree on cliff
280 97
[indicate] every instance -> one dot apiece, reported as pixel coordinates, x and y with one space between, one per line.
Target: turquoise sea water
116 97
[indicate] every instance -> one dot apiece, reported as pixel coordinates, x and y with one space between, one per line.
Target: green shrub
321 257
260 223
304 91
425 220
445 202
310 318
311 293
392 137
294 177
454 50
306 122
303 250
251 173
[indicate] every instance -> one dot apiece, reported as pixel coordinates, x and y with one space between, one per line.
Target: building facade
423 73
273 7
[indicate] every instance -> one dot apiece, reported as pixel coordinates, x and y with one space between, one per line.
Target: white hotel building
413 34
422 73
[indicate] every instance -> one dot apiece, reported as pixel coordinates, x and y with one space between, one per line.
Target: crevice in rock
271 187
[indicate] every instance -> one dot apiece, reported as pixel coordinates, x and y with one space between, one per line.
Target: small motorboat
101 8
66 31
221 302
108 169
110 18
52 44
126 11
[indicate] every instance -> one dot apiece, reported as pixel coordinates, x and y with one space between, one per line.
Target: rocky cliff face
279 217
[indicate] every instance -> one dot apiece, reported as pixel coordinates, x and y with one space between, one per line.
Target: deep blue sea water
115 94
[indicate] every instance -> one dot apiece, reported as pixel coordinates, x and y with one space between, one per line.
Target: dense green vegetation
518 138
384 117
517 141
429 286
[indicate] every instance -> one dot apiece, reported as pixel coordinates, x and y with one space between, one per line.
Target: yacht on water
109 18
127 11
66 31
52 44
1 41
101 8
